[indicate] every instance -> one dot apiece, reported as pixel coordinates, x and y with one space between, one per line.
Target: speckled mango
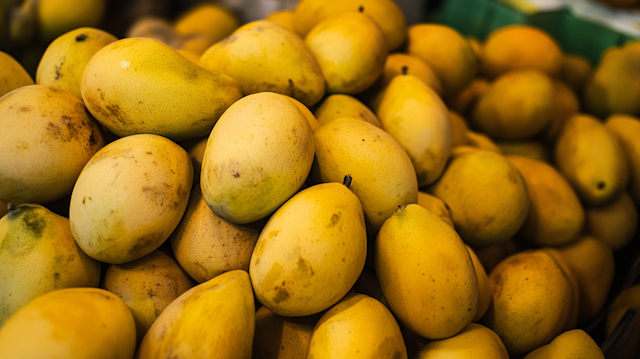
311 252
37 255
141 85
258 155
47 137
130 197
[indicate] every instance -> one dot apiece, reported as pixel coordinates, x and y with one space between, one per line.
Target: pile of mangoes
328 182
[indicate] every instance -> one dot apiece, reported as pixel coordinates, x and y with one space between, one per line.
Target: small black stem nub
405 69
361 9
347 181
11 207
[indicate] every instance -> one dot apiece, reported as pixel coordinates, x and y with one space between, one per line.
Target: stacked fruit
326 182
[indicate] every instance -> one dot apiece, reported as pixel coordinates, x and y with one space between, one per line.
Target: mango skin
417 118
278 337
215 319
258 155
264 56
71 323
141 85
38 254
487 195
426 273
147 285
383 175
66 57
130 197
357 327
311 251
386 13
532 300
206 245
13 75
575 343
350 62
47 138
592 159
474 341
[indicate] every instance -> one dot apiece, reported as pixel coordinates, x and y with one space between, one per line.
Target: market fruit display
327 181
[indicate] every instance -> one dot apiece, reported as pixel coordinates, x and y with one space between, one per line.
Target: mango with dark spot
265 57
141 85
310 252
66 57
38 254
48 136
147 285
127 202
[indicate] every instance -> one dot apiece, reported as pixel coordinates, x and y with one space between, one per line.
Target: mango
38 254
311 251
141 85
426 273
257 157
48 136
129 197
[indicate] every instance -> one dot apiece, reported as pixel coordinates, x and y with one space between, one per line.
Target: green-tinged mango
258 155
38 255
141 85
264 56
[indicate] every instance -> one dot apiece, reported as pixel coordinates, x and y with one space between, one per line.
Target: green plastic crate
575 35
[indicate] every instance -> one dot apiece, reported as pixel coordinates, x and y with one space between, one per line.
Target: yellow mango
71 323
13 74
531 301
474 341
47 138
141 85
206 245
351 50
357 327
130 197
383 175
486 194
426 273
386 13
263 56
310 252
614 224
572 344
147 285
555 216
418 119
66 57
592 159
257 156
213 319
